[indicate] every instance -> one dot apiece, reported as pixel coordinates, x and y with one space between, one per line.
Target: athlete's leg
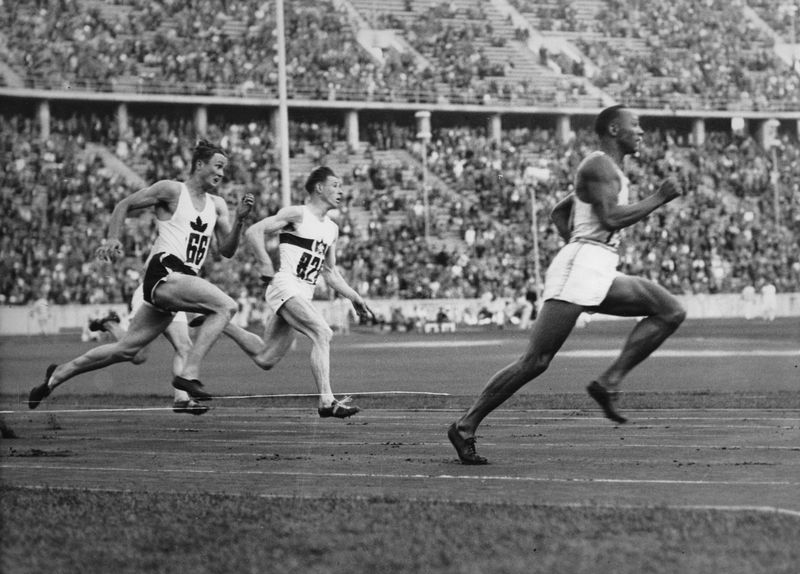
266 351
181 292
635 297
551 328
146 325
177 333
117 331
304 317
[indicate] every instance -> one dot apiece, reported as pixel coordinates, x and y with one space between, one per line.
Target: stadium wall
17 320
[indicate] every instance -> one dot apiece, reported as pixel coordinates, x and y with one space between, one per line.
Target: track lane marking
372 475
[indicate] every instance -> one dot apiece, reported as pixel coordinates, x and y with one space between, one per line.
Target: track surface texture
714 422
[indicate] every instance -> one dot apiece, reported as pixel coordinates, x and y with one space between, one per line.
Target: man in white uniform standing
307 249
583 276
188 215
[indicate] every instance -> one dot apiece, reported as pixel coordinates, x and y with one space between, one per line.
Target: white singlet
187 234
302 249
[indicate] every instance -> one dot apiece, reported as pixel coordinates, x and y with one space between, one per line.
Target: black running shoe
193 387
101 324
606 400
38 394
190 407
338 409
465 447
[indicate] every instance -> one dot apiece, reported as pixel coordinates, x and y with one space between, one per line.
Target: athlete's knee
230 307
321 334
325 333
674 315
139 358
265 363
226 306
127 353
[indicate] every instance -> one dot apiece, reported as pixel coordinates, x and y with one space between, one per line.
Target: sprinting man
177 333
583 277
307 249
188 215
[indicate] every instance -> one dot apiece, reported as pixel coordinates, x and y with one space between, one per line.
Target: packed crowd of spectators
782 16
552 15
208 47
696 54
56 200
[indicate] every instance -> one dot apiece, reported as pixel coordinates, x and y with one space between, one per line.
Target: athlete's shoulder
598 165
218 201
167 186
292 212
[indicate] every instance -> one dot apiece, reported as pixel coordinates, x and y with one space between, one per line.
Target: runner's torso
187 234
303 246
586 225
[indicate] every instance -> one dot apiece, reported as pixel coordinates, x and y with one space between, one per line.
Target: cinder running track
705 451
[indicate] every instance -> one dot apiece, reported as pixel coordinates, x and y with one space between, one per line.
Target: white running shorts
283 287
581 273
137 300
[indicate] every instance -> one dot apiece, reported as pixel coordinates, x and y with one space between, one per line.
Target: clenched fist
110 251
245 205
670 189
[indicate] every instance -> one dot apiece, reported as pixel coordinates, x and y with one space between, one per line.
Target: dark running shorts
160 266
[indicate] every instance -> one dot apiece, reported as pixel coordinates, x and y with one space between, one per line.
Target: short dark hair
204 151
318 175
606 118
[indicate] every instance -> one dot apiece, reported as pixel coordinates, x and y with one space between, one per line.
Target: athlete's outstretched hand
362 310
244 207
110 251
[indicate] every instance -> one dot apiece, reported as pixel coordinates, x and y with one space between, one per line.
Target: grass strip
46 530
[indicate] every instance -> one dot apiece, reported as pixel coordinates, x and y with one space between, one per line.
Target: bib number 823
308 267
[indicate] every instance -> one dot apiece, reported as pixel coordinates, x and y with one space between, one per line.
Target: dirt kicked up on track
715 427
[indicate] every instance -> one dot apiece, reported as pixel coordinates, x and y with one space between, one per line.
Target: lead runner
583 276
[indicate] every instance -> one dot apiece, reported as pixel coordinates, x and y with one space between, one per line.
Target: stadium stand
57 190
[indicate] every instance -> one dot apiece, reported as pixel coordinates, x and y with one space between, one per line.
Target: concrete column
351 125
122 118
698 131
201 119
275 122
563 129
44 119
767 133
495 127
423 125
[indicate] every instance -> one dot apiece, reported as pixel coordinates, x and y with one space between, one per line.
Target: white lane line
501 418
584 353
683 353
704 507
396 476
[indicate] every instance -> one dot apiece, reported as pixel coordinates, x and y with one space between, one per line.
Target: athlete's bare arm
561 216
163 195
336 282
598 183
267 226
228 234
